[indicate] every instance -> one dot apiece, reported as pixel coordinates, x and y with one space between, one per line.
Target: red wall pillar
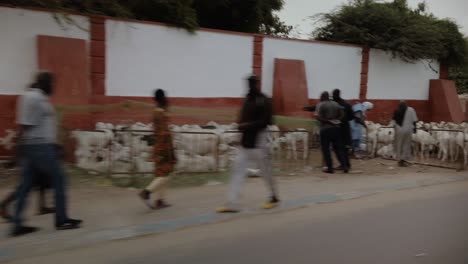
444 102
98 55
258 57
364 74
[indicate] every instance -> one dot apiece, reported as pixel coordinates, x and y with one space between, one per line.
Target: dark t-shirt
256 115
348 110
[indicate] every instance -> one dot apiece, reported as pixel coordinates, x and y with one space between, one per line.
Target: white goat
424 143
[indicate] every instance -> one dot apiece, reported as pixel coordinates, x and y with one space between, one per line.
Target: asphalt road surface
425 225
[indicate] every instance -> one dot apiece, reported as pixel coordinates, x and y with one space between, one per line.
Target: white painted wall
327 66
394 79
143 57
18 50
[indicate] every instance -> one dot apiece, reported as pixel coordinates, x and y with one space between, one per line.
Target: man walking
330 113
39 152
256 115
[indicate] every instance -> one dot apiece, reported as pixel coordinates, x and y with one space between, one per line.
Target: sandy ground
426 225
107 209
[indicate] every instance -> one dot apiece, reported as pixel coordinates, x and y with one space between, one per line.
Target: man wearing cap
256 114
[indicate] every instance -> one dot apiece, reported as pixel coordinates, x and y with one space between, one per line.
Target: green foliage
459 73
252 16
411 34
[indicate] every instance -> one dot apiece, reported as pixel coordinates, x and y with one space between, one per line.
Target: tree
252 16
411 34
459 73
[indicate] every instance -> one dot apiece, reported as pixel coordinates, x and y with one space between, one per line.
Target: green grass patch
179 180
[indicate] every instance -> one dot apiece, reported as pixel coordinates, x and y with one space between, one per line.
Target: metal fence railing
131 151
126 151
445 148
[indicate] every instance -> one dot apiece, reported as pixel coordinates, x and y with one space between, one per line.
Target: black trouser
345 134
331 136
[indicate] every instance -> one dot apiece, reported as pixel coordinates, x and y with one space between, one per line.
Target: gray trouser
261 157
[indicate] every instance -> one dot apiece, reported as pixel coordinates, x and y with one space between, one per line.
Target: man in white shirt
38 152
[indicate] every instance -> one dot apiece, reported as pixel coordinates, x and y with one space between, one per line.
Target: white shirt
35 111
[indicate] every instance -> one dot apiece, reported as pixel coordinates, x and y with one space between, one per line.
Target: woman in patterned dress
163 154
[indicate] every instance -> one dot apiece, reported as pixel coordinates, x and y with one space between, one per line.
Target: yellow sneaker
269 205
274 202
225 209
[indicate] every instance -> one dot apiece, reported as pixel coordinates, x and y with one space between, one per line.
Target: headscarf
399 114
367 106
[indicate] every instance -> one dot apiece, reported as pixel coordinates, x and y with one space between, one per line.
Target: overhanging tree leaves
252 16
459 73
411 34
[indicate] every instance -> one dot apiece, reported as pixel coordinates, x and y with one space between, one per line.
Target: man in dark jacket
256 114
345 129
330 114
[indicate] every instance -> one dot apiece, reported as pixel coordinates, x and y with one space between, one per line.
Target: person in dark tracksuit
256 114
345 129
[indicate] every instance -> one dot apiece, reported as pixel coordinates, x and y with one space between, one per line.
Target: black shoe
402 163
161 204
46 210
346 170
330 171
23 230
274 199
145 197
69 224
339 168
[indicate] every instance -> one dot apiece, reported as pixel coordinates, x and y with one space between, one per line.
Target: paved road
425 225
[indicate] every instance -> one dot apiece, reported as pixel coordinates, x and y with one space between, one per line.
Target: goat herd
442 141
122 149
213 147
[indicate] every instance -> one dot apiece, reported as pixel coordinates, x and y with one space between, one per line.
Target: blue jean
356 145
35 160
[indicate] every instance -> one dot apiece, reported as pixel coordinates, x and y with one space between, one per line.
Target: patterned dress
163 152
